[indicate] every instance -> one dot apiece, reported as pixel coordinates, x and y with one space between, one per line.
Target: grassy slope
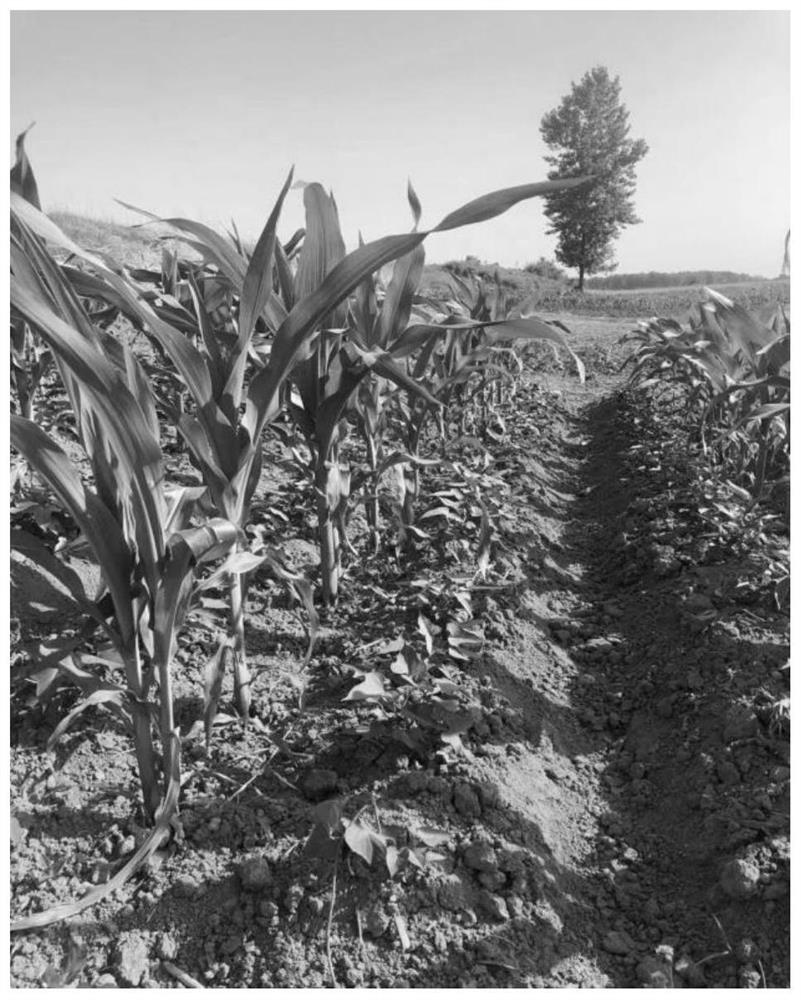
141 247
135 245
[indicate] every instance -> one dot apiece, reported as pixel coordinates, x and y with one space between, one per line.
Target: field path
642 736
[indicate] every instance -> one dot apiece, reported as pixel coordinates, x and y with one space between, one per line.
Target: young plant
297 312
137 531
30 358
447 348
448 351
732 372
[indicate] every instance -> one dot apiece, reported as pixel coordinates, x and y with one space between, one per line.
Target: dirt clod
466 800
481 857
255 874
739 878
133 958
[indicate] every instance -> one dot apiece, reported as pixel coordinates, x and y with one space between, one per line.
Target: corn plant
192 321
30 357
732 371
138 532
448 351
445 348
327 362
328 382
296 312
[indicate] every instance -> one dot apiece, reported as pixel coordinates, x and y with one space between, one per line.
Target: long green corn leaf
290 340
154 840
489 206
98 525
257 286
23 181
397 305
126 458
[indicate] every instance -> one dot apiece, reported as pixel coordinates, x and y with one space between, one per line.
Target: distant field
677 302
141 247
533 292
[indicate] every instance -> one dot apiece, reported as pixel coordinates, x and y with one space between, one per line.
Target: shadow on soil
661 711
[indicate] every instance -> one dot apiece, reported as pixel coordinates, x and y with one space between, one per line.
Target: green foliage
138 531
248 335
333 830
23 181
668 279
545 268
588 133
733 372
31 359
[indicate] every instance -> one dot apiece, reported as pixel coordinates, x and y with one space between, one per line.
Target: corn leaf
257 286
23 181
160 833
397 305
184 549
113 425
491 205
99 526
414 203
102 696
48 230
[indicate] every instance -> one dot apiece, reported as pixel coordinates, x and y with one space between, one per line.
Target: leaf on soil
373 685
18 832
392 646
392 859
464 642
430 836
463 597
399 666
109 696
364 841
428 630
438 512
403 934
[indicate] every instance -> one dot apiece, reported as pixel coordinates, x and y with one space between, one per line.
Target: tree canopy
588 133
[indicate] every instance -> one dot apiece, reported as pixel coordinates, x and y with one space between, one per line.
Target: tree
589 134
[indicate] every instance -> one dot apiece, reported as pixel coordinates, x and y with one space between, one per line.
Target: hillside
141 247
134 245
535 292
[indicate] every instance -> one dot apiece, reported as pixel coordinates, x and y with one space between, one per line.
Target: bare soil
614 811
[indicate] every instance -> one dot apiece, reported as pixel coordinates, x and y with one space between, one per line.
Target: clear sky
202 114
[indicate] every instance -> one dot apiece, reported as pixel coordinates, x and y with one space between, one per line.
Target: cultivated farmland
383 626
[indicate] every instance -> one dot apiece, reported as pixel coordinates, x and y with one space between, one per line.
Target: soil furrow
614 815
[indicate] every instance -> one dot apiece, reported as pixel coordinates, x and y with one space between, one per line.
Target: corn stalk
137 532
732 371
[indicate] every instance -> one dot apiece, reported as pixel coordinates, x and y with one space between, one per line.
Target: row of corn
730 374
340 344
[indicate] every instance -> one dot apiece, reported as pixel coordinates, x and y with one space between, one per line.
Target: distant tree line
668 279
